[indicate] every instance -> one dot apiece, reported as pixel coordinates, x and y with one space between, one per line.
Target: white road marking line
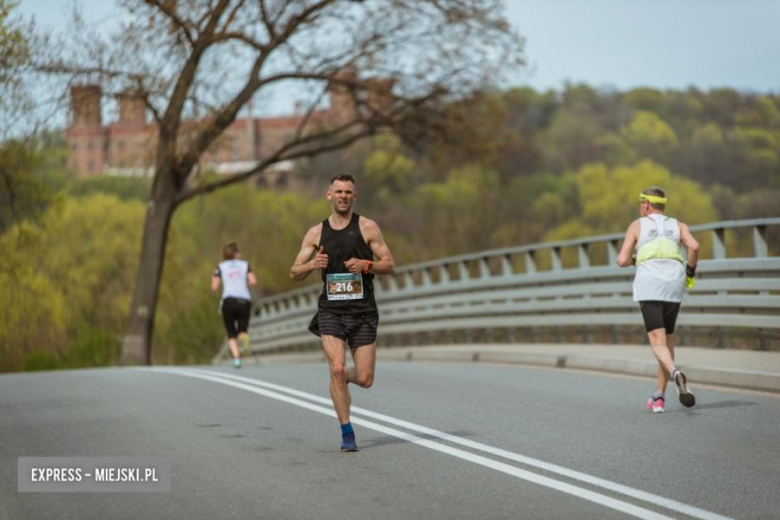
638 494
606 501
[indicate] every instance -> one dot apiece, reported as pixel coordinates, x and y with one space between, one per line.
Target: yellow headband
652 199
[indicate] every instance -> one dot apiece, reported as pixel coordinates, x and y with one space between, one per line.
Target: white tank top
659 279
234 282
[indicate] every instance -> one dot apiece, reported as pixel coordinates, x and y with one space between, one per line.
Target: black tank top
340 246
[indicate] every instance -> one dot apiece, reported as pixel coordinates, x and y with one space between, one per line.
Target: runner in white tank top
236 277
652 243
661 278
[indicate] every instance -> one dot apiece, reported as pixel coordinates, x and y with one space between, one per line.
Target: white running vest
234 283
659 278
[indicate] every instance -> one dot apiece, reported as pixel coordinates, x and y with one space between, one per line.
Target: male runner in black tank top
349 250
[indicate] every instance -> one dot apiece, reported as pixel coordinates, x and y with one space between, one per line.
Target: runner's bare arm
251 279
307 261
384 263
215 281
690 243
627 249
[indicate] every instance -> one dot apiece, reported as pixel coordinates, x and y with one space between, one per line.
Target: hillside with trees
512 167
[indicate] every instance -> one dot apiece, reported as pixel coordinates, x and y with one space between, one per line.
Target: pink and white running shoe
656 405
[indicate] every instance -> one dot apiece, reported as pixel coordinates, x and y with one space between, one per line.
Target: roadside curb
697 373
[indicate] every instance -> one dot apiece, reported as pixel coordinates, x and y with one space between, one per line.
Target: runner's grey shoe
687 399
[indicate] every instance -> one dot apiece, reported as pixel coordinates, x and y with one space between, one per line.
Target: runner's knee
364 380
338 370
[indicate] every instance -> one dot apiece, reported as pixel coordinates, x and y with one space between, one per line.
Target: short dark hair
657 192
230 250
343 177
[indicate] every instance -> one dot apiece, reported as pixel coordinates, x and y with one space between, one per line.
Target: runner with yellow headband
652 243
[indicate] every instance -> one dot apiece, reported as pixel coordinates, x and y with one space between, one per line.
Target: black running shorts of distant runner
356 329
660 315
235 313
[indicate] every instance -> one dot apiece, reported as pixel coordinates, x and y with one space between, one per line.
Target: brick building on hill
126 147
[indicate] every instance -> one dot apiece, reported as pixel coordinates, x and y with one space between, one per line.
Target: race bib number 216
344 286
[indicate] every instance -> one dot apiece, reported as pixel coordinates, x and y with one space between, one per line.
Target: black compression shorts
660 315
235 313
356 329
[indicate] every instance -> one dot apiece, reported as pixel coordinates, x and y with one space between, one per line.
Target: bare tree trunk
137 343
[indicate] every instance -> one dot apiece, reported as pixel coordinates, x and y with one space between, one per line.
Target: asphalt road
437 440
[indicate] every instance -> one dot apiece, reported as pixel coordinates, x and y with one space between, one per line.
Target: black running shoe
686 397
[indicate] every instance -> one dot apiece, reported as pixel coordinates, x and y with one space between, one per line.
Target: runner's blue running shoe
348 442
237 363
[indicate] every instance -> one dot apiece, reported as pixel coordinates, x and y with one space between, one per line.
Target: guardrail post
444 274
506 265
587 334
425 275
762 340
718 244
583 256
724 339
392 284
463 272
760 248
617 334
484 268
686 335
408 281
612 252
530 262
555 254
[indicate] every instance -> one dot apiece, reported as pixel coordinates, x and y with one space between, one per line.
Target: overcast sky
607 43
660 43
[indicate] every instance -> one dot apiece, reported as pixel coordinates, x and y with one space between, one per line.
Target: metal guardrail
551 291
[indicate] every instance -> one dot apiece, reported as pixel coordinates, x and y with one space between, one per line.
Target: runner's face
341 196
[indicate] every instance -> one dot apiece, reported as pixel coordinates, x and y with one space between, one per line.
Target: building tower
85 105
132 108
85 135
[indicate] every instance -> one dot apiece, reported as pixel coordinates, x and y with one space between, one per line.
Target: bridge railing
557 291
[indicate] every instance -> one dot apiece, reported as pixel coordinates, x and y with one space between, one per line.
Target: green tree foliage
467 193
125 188
72 269
609 197
388 171
33 317
14 56
650 136
22 193
27 157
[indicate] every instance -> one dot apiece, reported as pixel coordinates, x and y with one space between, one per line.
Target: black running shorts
660 315
356 329
235 313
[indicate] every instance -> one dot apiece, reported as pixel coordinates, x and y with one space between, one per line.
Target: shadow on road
721 404
395 440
